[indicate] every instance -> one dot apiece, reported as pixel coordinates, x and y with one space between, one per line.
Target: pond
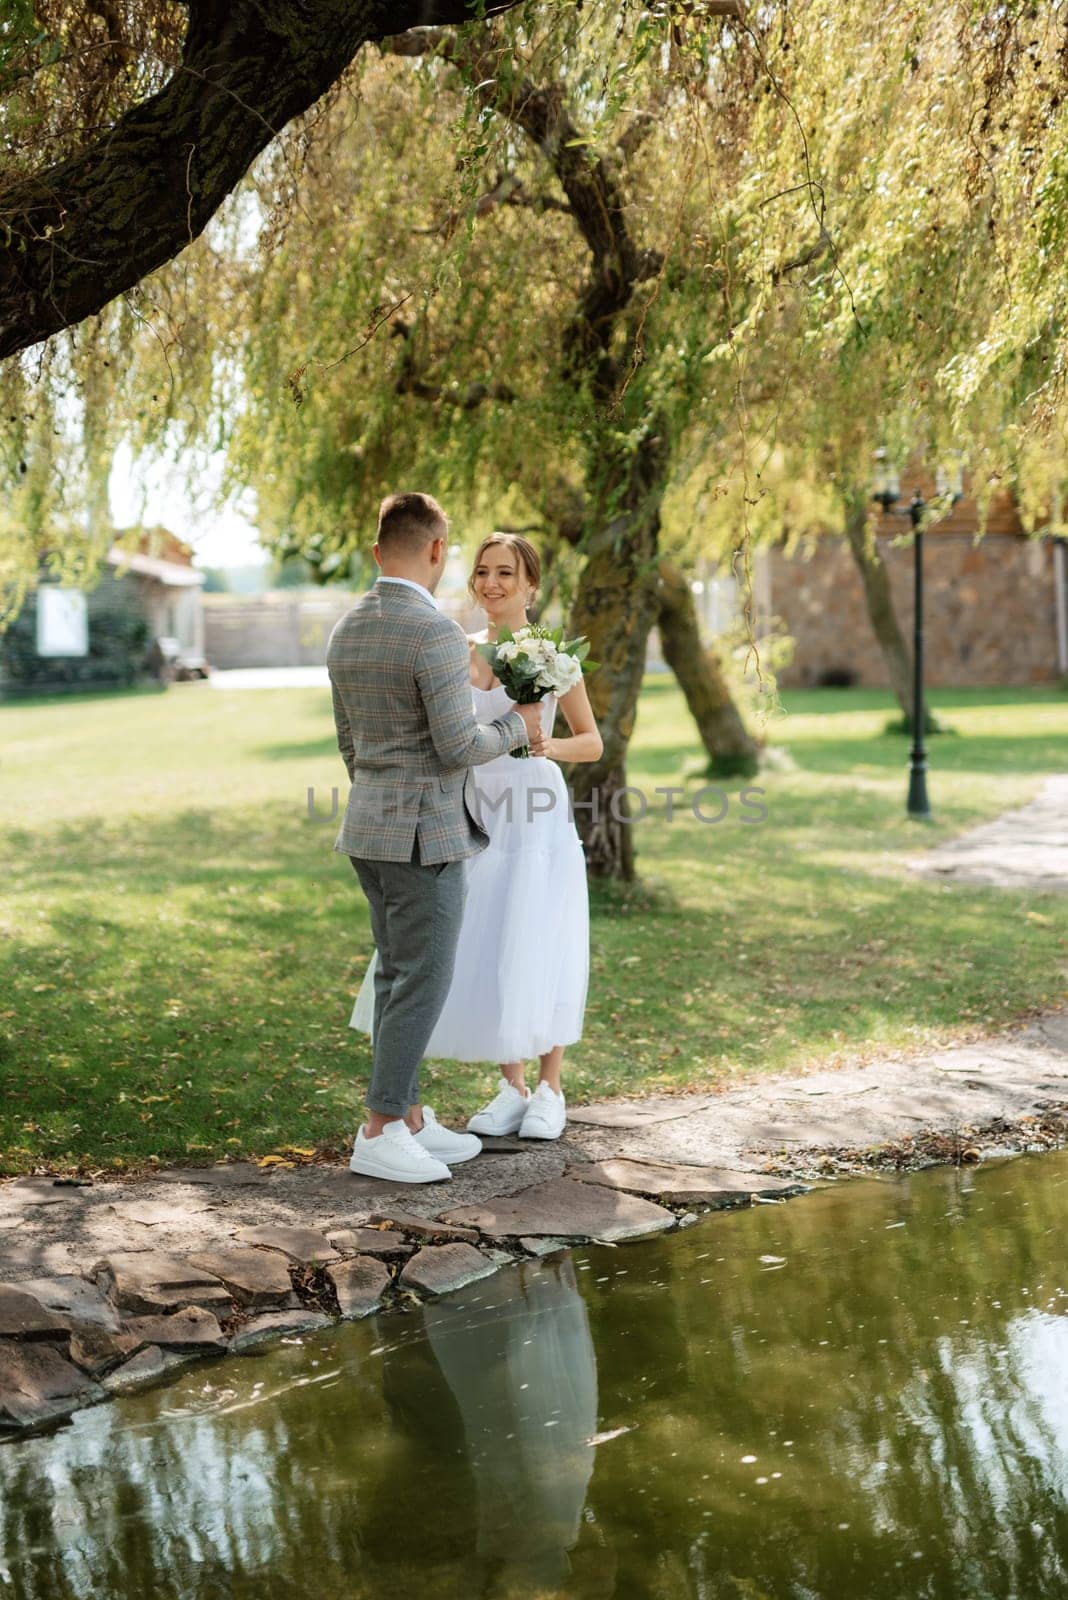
856 1395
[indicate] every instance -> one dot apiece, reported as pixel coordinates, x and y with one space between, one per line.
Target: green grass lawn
181 946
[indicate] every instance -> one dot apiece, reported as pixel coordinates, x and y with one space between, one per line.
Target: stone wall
989 609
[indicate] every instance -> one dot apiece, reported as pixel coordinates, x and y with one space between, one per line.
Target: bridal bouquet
533 662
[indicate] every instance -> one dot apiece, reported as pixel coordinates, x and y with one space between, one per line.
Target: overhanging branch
77 234
469 397
507 191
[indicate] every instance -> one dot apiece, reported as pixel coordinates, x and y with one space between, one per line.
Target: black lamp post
888 492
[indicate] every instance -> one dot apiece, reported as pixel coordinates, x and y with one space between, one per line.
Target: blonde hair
527 557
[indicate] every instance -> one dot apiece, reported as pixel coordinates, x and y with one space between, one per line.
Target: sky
159 496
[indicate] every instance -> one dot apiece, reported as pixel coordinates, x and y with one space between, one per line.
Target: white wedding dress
522 962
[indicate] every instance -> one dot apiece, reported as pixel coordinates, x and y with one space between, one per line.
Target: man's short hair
408 522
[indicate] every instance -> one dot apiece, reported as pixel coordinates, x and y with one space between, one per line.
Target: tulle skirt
522 962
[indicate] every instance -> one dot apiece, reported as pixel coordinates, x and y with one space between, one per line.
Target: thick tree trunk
79 233
615 607
879 601
732 751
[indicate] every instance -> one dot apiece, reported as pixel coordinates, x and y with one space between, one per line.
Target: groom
399 673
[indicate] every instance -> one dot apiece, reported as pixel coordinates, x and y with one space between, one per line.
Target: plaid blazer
400 679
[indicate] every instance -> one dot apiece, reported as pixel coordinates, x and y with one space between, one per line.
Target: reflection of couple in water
507 1388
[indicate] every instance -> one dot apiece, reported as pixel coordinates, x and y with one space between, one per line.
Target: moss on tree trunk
615 607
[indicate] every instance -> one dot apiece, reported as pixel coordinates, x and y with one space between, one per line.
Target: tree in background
753 220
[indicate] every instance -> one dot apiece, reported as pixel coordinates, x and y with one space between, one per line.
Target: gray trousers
416 913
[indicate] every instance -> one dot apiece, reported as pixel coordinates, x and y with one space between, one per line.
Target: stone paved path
110 1286
1023 849
47 1228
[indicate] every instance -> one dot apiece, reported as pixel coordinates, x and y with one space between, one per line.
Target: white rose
507 651
567 672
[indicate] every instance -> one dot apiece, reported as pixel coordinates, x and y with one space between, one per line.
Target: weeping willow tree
560 264
500 345
931 328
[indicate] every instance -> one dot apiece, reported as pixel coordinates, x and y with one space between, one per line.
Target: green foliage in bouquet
536 661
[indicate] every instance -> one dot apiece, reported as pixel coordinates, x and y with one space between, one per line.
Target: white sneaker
546 1115
394 1154
443 1143
503 1114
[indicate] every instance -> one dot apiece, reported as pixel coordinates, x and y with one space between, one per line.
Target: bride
522 962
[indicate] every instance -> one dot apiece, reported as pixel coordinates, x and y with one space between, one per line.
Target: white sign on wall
62 622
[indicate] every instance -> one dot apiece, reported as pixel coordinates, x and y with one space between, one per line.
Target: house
107 634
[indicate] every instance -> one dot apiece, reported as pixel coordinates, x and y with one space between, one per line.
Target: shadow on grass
182 989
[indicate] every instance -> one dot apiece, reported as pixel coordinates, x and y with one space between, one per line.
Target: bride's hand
539 743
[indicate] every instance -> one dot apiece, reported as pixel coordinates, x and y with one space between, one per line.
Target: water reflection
460 1444
861 1395
524 1378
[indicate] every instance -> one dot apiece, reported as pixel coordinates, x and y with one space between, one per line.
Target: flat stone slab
151 1282
157 1213
370 1241
567 1210
97 1350
713 1186
39 1191
222 1174
299 1244
190 1329
637 1113
38 1385
547 1245
360 1285
78 1300
272 1324
258 1279
147 1366
425 1227
439 1268
22 1316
